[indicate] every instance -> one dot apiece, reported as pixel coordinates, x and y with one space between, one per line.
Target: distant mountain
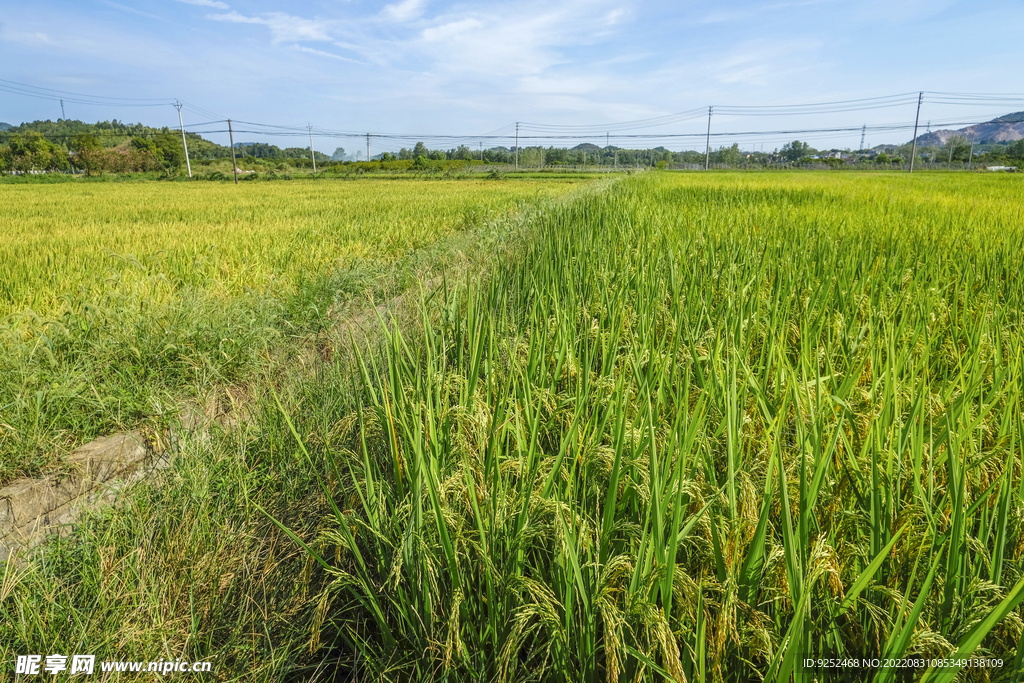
1009 128
1017 117
5 126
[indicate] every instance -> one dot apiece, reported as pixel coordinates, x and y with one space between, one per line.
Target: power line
634 131
78 98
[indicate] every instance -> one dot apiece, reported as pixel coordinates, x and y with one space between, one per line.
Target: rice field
69 245
118 298
692 427
708 426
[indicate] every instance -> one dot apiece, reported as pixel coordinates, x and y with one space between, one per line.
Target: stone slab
29 507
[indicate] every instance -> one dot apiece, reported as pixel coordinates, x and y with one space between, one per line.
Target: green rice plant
703 429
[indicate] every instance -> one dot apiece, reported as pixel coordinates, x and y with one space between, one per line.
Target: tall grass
704 428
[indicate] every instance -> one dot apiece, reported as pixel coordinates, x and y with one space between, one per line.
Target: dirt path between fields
33 508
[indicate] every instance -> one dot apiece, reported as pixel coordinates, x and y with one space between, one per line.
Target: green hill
111 134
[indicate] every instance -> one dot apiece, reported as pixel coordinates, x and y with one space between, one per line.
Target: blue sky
466 68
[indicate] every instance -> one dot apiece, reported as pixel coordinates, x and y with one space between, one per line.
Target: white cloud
284 28
898 11
131 10
405 10
615 16
26 37
324 53
730 16
501 42
514 40
234 17
215 4
562 85
764 63
450 30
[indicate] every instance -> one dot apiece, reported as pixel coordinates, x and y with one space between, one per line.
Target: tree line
66 145
117 147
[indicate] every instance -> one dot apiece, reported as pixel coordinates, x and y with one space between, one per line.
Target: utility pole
367 146
312 154
481 151
913 151
62 114
971 157
517 145
183 143
234 164
707 149
863 132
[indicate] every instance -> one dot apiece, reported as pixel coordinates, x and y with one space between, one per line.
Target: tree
57 160
793 151
6 160
957 148
143 144
84 141
31 151
464 153
86 149
729 155
169 152
420 150
339 154
30 143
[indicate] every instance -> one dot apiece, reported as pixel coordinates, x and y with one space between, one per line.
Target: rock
31 507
